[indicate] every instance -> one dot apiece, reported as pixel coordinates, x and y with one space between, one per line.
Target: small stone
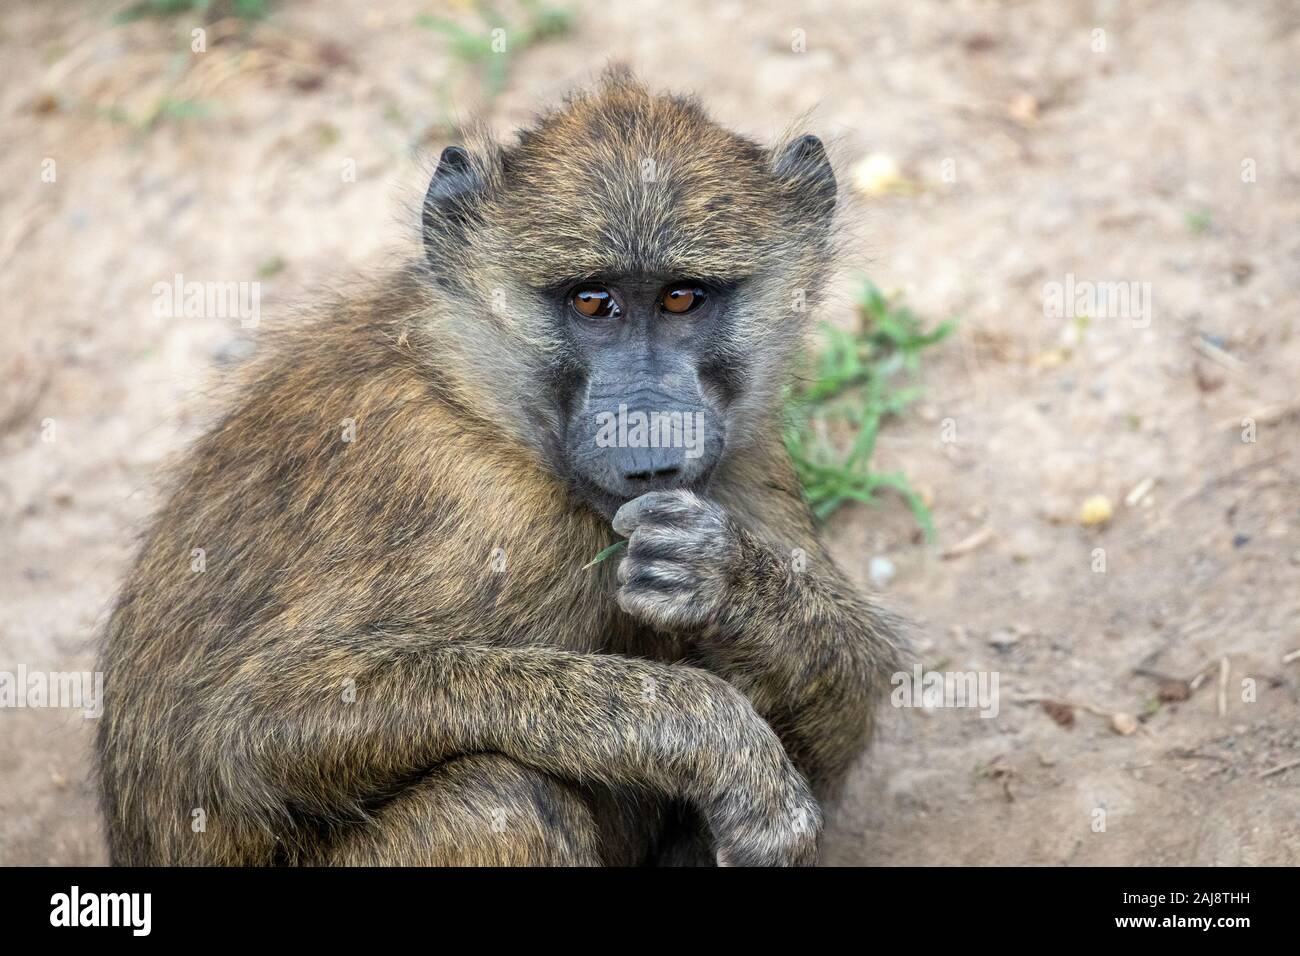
1124 724
1003 638
877 175
881 570
1050 359
1023 108
1096 510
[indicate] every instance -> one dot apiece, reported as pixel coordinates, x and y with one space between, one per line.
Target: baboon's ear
804 166
449 203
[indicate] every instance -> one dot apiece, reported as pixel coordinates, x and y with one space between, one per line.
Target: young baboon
392 646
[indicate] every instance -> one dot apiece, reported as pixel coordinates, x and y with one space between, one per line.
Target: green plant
605 553
490 52
174 106
850 381
244 9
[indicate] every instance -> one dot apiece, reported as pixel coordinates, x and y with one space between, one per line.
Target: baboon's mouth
606 500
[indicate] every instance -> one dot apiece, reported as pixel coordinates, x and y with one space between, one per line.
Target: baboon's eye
595 302
681 299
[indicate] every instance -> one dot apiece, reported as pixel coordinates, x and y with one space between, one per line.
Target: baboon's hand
757 803
785 837
682 553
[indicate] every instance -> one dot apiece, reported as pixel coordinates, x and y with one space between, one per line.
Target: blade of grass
605 553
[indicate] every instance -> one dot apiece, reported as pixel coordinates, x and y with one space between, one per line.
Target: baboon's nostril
652 475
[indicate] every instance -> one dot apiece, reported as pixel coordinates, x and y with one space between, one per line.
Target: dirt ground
1170 157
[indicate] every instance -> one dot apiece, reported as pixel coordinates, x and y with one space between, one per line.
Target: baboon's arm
809 652
782 626
285 735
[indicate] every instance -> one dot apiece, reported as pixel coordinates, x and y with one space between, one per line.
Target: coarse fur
392 649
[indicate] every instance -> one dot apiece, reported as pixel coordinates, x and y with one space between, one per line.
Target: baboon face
648 407
648 267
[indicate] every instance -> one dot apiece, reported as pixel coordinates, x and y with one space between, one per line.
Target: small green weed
210 9
851 379
490 51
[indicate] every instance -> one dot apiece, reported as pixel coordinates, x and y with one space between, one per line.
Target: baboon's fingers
658 507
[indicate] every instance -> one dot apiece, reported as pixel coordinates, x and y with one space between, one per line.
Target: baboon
365 626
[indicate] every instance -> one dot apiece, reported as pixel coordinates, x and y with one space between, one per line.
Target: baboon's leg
478 810
635 826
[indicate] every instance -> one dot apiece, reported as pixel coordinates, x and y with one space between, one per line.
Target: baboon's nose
657 475
645 469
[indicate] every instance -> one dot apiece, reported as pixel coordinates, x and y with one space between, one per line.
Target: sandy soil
1118 165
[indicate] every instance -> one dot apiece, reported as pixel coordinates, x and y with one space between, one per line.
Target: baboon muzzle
630 441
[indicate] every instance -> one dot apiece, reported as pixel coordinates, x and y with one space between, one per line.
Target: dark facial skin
649 412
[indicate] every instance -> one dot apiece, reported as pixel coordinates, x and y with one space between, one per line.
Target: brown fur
514 715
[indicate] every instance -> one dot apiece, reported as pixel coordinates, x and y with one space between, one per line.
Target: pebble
1003 638
1096 510
1123 724
881 571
